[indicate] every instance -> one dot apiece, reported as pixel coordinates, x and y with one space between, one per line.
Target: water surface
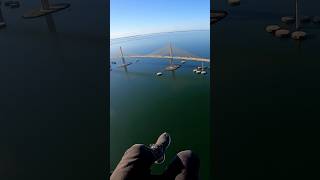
144 105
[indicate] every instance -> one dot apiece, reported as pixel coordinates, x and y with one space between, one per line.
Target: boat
159 74
195 70
272 28
183 62
298 35
172 67
282 33
198 72
203 72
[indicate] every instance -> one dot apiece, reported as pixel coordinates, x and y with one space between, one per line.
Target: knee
188 155
137 148
139 152
189 159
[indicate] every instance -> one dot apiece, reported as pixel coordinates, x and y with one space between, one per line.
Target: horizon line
140 35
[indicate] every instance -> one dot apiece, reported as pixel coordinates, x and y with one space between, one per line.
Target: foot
160 147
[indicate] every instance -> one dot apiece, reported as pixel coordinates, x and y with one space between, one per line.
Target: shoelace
157 150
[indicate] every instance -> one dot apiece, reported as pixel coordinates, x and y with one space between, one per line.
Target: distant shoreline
157 33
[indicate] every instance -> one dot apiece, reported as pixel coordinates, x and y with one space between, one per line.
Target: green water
144 105
266 94
53 92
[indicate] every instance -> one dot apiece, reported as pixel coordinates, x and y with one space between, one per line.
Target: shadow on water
55 37
173 75
126 72
129 73
51 24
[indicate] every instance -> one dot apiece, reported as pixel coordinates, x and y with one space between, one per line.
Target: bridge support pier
2 22
45 9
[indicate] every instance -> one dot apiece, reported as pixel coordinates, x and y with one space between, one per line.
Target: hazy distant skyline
135 17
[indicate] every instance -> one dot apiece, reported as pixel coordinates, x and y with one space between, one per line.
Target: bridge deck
169 57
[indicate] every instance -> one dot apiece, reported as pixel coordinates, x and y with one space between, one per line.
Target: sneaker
159 148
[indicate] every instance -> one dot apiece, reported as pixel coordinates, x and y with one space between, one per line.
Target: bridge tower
124 63
45 4
171 54
297 15
122 57
45 9
2 23
171 66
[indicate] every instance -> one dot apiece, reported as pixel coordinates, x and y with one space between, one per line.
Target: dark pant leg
184 166
135 164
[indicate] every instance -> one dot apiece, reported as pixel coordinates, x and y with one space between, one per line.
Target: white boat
203 72
159 74
183 62
198 72
194 70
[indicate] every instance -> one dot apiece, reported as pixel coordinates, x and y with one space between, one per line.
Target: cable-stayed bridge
168 52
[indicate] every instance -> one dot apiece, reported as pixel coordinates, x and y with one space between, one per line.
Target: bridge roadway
170 57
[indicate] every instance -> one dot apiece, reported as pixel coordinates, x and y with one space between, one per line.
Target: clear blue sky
133 17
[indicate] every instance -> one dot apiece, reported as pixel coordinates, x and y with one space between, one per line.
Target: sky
135 17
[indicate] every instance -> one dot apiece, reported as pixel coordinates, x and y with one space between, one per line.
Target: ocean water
144 105
53 93
266 93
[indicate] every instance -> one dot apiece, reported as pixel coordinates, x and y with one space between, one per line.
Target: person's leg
184 166
135 164
137 160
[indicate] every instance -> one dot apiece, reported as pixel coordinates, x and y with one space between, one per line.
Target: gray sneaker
159 148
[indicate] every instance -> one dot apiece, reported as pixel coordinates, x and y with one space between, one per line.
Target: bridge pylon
124 63
122 58
46 8
2 22
171 54
171 66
